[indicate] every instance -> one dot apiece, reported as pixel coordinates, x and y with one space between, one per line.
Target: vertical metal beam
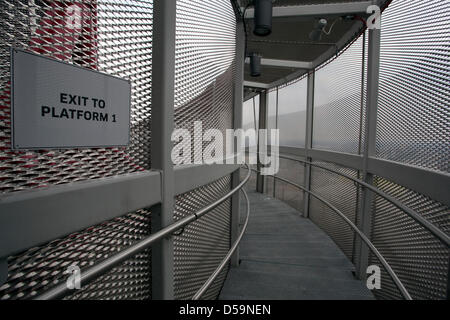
263 101
237 124
163 79
365 218
309 138
356 239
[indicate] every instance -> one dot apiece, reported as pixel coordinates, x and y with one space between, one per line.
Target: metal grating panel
114 37
340 192
418 258
292 114
268 186
204 243
337 102
204 68
414 103
205 45
292 171
110 36
36 270
251 184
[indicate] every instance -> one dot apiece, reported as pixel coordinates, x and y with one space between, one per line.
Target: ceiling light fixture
263 17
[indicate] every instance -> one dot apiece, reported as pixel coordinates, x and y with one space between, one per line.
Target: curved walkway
285 256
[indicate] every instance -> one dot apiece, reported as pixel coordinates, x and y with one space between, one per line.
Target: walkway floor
285 256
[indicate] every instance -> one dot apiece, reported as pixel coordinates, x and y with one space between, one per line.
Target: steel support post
263 101
237 124
367 197
164 19
309 139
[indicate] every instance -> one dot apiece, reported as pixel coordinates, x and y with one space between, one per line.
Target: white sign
59 105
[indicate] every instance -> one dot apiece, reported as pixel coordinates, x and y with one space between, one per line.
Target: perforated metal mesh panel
250 119
38 269
419 259
292 171
204 77
337 102
414 103
204 67
251 183
114 37
205 46
204 243
340 192
413 128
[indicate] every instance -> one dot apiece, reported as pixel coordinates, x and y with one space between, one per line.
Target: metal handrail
224 262
363 237
88 275
438 233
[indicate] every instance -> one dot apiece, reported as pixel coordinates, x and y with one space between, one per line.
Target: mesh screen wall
250 186
292 114
413 129
38 269
250 114
292 171
343 194
114 37
204 243
337 102
414 78
204 77
418 258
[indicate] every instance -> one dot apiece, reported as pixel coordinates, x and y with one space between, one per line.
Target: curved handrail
363 237
438 233
219 269
88 275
